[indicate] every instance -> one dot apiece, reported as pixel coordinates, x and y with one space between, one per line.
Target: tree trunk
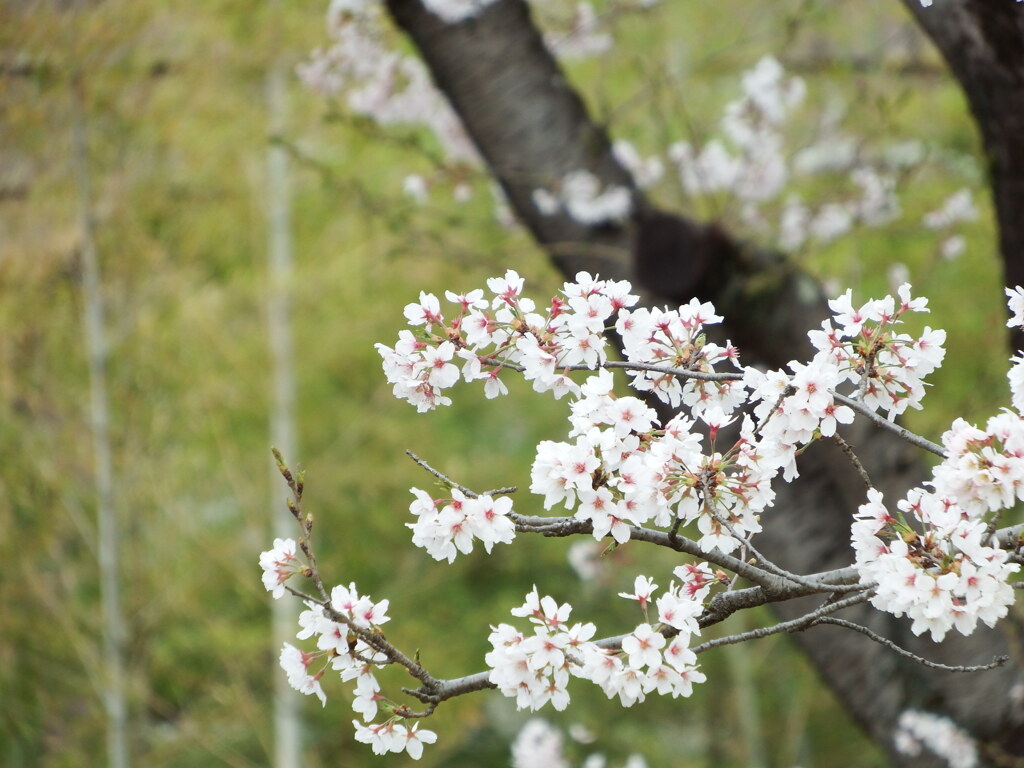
983 44
531 127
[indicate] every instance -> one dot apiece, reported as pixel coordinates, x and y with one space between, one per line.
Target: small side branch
451 483
794 625
998 661
904 434
683 373
767 576
771 567
374 639
852 456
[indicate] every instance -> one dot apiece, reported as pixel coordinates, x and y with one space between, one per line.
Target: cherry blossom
679 611
643 589
580 195
447 527
367 695
643 646
392 736
296 665
538 744
279 564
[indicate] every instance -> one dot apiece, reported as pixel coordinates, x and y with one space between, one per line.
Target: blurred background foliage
173 102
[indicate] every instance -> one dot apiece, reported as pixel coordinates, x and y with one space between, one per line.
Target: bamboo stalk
287 724
107 525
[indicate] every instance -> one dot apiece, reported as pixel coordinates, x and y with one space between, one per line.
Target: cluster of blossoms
675 339
918 731
580 194
943 578
445 527
1016 375
936 561
755 169
620 467
539 743
534 669
887 367
488 335
378 82
858 346
646 171
337 626
747 159
375 80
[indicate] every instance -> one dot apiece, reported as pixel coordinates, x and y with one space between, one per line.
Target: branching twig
507 491
859 407
441 476
409 714
373 639
303 596
998 661
852 456
896 429
447 480
794 625
296 485
774 584
771 567
683 373
557 527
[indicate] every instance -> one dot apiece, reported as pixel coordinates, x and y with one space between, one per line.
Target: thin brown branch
852 456
441 476
896 429
373 638
794 625
998 661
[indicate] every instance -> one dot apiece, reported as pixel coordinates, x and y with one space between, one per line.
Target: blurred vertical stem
287 726
107 525
745 695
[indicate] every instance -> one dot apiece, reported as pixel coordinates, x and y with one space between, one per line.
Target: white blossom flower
296 665
279 564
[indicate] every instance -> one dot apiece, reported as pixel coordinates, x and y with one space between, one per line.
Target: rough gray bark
531 127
